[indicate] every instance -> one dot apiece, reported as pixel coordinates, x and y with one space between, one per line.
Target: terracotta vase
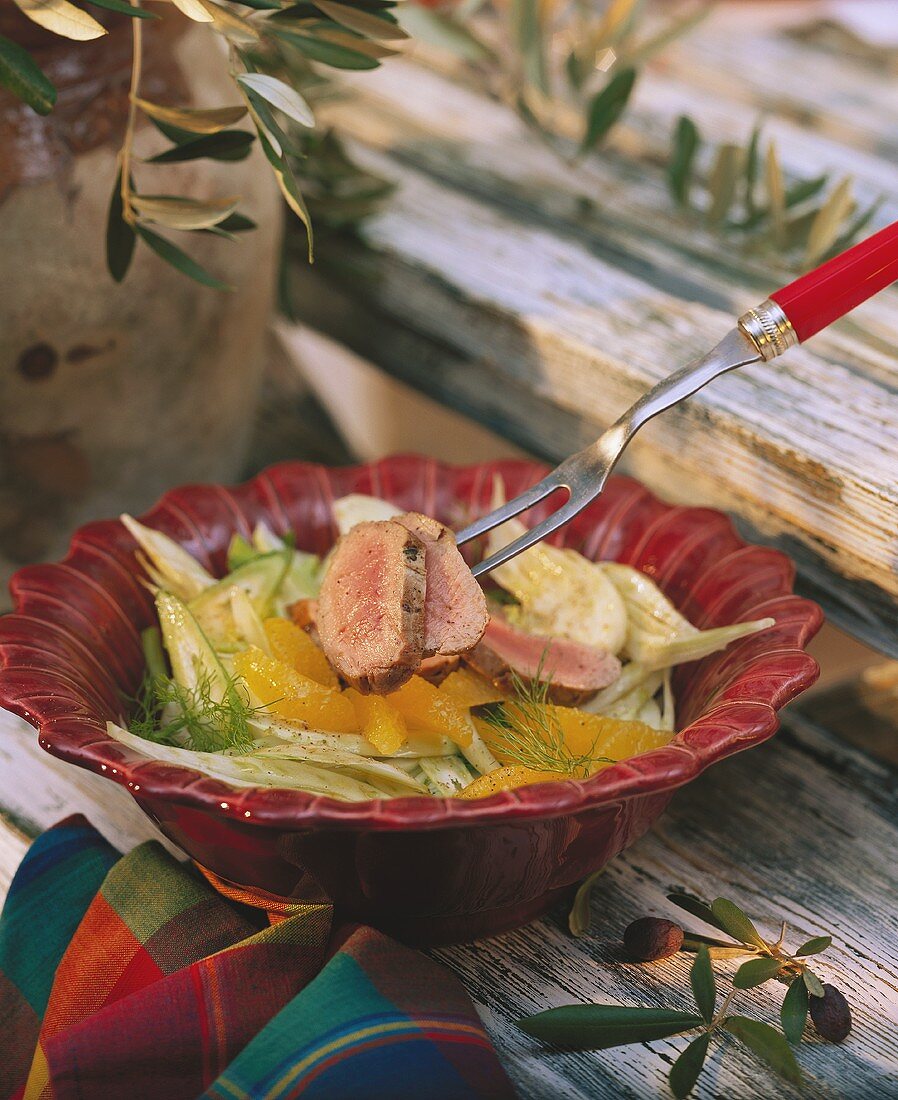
110 394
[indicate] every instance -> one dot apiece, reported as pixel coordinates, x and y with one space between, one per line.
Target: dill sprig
529 733
169 713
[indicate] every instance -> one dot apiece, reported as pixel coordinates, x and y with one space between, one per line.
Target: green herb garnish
166 712
528 731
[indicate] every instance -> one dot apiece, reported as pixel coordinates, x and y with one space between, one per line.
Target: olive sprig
648 939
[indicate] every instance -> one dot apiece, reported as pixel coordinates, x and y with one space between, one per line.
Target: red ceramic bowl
428 870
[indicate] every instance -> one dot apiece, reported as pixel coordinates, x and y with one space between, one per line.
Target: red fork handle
836 287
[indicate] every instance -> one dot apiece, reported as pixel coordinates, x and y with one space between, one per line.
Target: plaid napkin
131 976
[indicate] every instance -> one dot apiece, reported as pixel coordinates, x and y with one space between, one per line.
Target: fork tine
551 523
549 484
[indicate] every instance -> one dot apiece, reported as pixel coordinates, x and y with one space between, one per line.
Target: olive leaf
686 1069
120 238
815 945
207 120
328 53
776 194
194 10
704 988
362 22
827 224
735 923
62 18
24 79
176 212
697 908
768 1044
598 1027
280 95
530 40
579 916
606 107
794 1010
756 972
234 27
178 259
123 8
225 145
725 174
685 147
443 31
815 986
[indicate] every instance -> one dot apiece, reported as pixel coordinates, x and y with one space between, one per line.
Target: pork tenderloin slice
574 671
455 612
370 613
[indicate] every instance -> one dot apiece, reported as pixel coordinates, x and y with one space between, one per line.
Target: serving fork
788 317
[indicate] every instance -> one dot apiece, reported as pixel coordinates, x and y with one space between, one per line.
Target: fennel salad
238 684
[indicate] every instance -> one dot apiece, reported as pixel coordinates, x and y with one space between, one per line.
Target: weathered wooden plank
489 253
802 829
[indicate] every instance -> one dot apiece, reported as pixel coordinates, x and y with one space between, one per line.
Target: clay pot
110 394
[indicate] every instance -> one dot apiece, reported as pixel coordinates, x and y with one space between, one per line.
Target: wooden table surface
542 298
803 829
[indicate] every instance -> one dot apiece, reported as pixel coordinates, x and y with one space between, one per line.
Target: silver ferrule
769 329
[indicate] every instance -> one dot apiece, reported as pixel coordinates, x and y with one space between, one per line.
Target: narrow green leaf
179 259
123 8
225 145
24 79
704 988
62 18
366 23
815 986
717 949
196 120
444 31
686 142
776 194
177 212
606 108
293 196
529 37
735 923
579 917
756 972
686 1069
328 53
261 5
803 190
794 1012
120 239
236 223
815 946
752 159
697 908
829 221
725 175
597 1027
860 223
768 1044
280 95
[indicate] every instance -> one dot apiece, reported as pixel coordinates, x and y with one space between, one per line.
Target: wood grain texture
574 289
802 829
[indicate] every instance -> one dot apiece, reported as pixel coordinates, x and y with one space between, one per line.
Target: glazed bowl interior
70 655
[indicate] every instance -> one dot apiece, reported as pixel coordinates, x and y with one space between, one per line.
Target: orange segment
382 724
426 707
292 696
292 645
469 689
506 779
614 737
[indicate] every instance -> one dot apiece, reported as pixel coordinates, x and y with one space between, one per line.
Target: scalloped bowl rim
653 773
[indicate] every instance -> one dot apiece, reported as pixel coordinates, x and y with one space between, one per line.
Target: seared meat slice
455 614
574 671
370 614
304 612
437 668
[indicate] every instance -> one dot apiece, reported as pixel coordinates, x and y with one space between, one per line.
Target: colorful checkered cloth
130 976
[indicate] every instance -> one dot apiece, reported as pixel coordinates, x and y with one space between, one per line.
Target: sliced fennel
260 580
253 770
192 658
446 775
560 593
389 779
268 730
658 636
169 565
358 508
